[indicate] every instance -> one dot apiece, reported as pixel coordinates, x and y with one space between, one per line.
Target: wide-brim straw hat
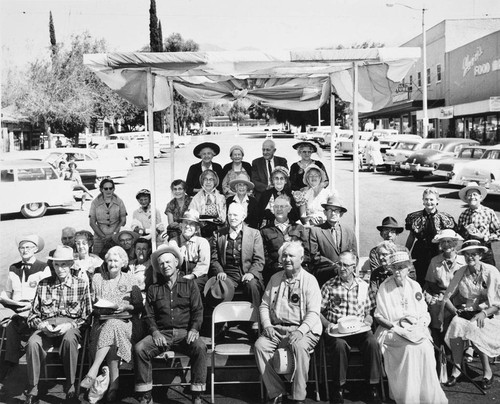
462 194
469 245
447 234
314 167
399 258
280 169
62 253
215 148
241 179
191 215
163 249
390 223
334 201
133 234
297 146
33 238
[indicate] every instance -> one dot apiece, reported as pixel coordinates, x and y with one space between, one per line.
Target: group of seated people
302 272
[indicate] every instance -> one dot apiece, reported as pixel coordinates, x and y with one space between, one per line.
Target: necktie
25 269
269 169
334 236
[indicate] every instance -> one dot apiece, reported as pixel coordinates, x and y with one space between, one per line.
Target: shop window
428 76
419 79
438 73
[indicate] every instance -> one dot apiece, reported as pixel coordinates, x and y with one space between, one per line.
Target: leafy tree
237 112
176 43
257 111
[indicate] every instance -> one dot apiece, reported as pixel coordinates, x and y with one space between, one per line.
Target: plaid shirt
338 301
69 299
484 220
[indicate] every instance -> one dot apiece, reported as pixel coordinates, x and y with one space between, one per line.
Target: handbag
467 314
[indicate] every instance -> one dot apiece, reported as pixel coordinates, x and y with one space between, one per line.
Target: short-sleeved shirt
481 221
441 271
107 217
338 301
177 210
144 217
22 288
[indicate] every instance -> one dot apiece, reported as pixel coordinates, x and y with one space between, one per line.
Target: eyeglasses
108 188
347 266
209 179
306 151
27 248
333 210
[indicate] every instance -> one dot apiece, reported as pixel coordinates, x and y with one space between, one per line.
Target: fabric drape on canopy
294 80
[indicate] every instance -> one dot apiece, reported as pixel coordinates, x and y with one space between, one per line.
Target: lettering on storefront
402 93
469 61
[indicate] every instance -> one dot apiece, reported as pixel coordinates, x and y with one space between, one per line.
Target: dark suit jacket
252 252
266 216
259 173
252 218
193 177
323 253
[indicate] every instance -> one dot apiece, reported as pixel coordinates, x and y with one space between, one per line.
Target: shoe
31 399
112 396
374 396
87 382
276 400
196 399
486 383
70 393
145 398
452 381
337 396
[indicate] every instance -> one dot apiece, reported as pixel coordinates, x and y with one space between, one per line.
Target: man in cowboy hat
278 232
348 295
15 300
237 254
126 239
328 240
171 293
262 167
195 249
478 222
61 306
205 151
142 216
290 317
389 230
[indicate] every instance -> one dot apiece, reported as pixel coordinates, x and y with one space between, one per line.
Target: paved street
381 195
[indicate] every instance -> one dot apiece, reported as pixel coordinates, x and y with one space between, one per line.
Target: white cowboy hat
472 185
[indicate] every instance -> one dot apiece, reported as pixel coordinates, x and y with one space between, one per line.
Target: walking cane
459 369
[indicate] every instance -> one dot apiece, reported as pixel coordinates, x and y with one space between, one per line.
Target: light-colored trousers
275 385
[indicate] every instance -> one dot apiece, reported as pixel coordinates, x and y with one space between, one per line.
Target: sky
226 24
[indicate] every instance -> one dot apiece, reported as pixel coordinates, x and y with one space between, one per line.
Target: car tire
419 176
138 161
34 209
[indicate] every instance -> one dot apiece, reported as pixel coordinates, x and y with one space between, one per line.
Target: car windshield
492 155
469 153
433 146
405 146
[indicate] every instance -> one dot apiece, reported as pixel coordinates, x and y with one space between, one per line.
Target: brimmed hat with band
62 253
314 167
133 234
32 238
163 249
215 148
282 170
217 290
472 245
191 215
241 179
143 192
390 223
462 194
447 233
297 146
334 202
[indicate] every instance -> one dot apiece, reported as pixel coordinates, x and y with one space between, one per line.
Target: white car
136 152
30 187
345 146
340 135
106 166
485 171
447 166
398 153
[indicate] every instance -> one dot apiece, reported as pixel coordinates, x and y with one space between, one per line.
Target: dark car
421 163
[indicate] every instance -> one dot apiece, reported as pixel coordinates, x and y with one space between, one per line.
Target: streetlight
425 122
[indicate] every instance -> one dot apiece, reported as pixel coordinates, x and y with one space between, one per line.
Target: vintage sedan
485 171
31 187
421 162
346 146
106 166
447 165
399 153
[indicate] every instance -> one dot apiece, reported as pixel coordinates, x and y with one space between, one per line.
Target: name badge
418 296
32 284
337 300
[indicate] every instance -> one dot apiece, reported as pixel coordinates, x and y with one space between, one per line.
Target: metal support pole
333 143
152 179
172 132
425 122
355 159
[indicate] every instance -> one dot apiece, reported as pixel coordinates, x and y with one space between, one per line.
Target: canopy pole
333 142
172 132
152 179
355 160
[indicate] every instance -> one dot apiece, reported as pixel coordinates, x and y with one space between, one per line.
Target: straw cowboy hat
472 245
447 233
125 230
284 362
218 291
241 179
390 223
215 148
462 194
163 249
32 238
334 201
297 146
191 215
348 325
62 253
399 259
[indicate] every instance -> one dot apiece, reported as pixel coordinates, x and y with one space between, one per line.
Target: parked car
104 165
340 134
445 166
388 142
345 146
31 187
136 152
485 171
400 151
421 162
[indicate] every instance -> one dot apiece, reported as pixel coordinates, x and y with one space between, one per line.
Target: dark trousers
340 348
36 352
145 350
16 331
252 290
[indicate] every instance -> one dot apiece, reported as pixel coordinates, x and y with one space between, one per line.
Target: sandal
87 382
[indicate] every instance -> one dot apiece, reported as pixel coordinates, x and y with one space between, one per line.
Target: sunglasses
108 188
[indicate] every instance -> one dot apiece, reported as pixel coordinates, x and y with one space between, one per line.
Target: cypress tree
160 36
52 32
153 27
